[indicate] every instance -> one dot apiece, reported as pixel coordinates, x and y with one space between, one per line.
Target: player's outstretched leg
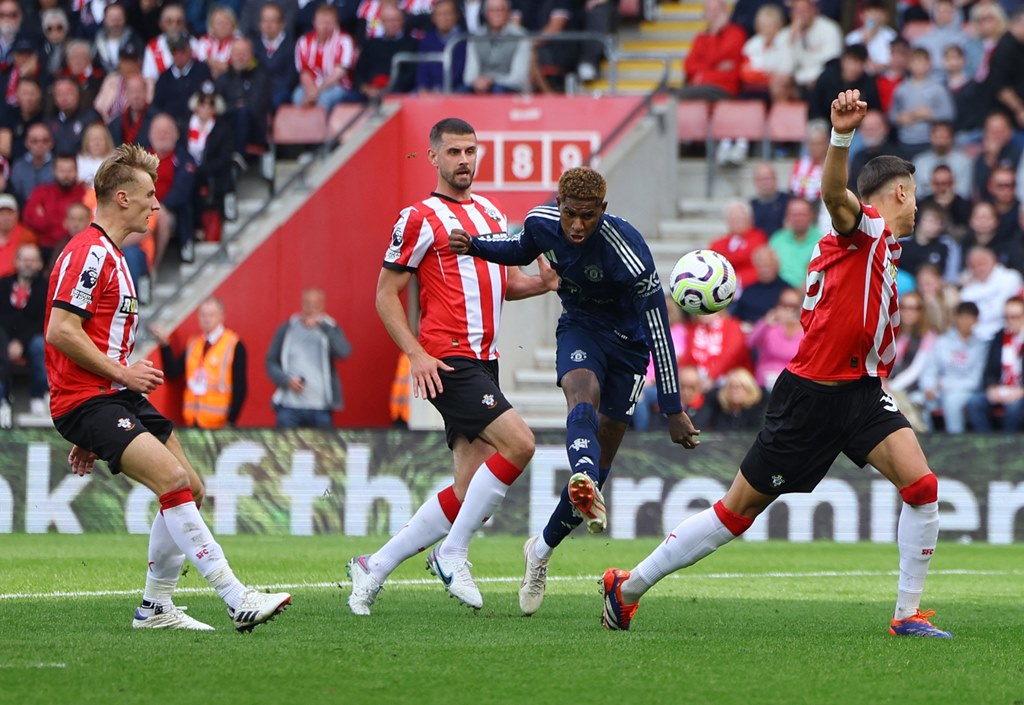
694 539
583 449
431 522
917 535
158 610
538 549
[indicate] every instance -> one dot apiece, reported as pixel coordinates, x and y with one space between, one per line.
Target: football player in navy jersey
614 317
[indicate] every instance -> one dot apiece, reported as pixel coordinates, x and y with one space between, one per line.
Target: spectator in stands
300 363
997 150
1002 382
12 234
940 297
113 37
1006 69
738 404
805 181
1001 191
875 34
648 403
956 210
498 66
245 87
112 98
989 23
250 18
180 81
10 28
90 16
711 70
598 16
914 344
742 238
814 41
970 98
22 310
954 368
46 206
796 242
947 29
931 244
766 69
175 189
917 102
769 204
760 297
158 56
984 232
275 52
214 366
55 26
69 117
876 140
78 66
132 125
25 64
398 399
848 71
717 345
214 49
36 167
942 150
212 149
373 68
76 220
16 120
97 146
325 58
144 17
989 285
775 338
552 60
430 76
899 58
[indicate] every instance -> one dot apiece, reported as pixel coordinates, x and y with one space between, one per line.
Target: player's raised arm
848 111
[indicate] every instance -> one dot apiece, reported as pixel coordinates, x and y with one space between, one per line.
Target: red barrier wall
336 240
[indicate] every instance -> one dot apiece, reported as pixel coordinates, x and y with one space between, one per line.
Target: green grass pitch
755 623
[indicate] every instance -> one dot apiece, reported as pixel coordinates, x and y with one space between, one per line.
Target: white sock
428 525
541 548
165 561
186 526
698 536
483 496
916 534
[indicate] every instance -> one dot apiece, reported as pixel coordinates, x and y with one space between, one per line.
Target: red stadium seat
300 125
692 120
787 122
733 119
341 115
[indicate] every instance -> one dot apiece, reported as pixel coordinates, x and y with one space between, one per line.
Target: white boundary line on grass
416 582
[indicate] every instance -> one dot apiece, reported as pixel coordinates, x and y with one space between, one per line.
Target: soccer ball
702 282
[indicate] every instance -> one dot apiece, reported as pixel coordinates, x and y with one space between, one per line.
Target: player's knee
924 490
198 492
173 479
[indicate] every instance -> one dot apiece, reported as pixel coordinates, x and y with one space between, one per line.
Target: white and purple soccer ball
702 282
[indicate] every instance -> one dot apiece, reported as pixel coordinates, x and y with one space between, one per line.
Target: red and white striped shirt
369 11
321 58
157 58
209 47
851 278
460 296
90 279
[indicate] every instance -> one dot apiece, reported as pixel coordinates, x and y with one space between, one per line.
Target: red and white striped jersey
369 11
460 296
90 279
321 58
157 58
851 307
209 47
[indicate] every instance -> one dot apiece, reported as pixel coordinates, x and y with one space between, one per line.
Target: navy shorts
807 425
620 365
106 424
471 399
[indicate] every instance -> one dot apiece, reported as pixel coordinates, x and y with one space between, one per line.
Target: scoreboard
512 160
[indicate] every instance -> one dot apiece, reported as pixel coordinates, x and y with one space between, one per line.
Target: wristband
842 139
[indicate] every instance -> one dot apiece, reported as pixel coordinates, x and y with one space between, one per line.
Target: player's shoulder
544 214
624 239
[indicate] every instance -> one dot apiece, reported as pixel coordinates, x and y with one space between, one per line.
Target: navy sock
565 519
581 440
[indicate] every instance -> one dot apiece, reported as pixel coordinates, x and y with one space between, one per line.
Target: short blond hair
118 170
582 183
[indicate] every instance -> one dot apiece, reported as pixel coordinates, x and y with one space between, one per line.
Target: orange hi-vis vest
208 382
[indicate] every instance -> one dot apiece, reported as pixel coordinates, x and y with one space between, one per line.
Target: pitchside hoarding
362 482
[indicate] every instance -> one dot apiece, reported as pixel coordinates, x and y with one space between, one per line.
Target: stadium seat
293 125
343 114
733 119
692 120
787 122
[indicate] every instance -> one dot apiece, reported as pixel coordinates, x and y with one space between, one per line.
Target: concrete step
546 421
535 379
544 358
680 11
550 403
672 28
30 420
660 46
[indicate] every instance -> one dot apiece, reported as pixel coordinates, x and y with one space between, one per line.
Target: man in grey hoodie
300 363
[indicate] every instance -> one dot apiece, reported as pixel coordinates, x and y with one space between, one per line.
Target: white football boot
168 617
364 586
531 590
258 607
457 579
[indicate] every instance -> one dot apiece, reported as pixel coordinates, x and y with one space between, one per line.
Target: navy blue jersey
608 282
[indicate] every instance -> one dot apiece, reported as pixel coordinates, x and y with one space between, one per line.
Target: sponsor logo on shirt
129 305
645 286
